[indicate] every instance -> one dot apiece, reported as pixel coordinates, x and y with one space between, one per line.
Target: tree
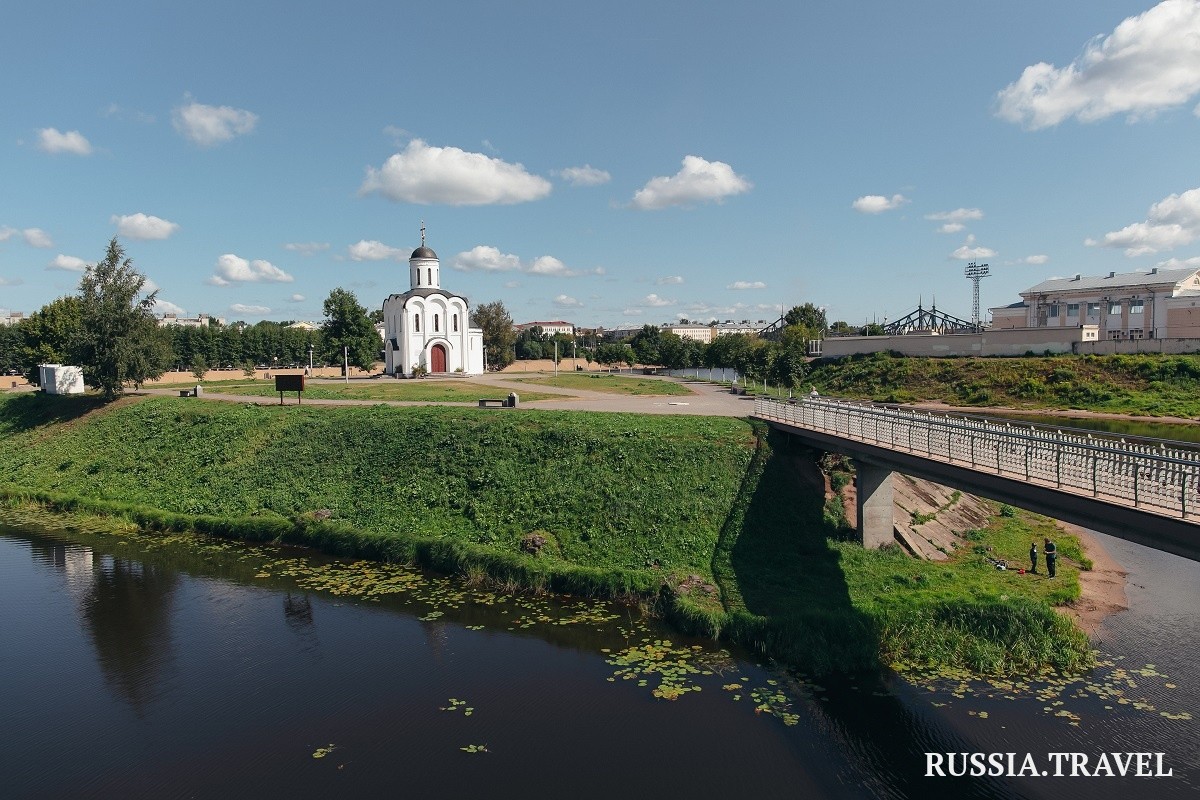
498 334
11 347
119 341
199 367
49 335
808 315
645 344
346 326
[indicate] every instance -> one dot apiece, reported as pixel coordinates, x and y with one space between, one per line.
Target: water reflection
128 615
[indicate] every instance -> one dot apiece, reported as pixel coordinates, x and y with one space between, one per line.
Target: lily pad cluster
1109 687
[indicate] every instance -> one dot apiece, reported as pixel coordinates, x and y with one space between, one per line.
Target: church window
417 323
456 323
436 327
429 275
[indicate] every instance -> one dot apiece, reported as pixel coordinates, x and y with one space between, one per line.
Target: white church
428 328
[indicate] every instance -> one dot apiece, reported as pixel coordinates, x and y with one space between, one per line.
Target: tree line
109 329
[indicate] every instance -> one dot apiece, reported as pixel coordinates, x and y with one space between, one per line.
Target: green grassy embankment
698 512
1144 384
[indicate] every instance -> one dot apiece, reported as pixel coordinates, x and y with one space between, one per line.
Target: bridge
1143 490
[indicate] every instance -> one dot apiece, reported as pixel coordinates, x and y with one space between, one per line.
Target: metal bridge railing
1158 476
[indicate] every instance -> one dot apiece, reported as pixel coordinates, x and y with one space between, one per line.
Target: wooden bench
493 402
185 392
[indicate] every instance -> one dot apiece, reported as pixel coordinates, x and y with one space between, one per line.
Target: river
142 666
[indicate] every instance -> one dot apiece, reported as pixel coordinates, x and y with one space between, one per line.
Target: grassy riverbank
701 513
1145 384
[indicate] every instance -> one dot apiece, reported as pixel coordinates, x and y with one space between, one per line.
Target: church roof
429 291
423 252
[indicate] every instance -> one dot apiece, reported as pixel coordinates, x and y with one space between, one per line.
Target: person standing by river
1051 551
1033 557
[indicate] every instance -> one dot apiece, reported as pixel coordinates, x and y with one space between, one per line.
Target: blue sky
607 164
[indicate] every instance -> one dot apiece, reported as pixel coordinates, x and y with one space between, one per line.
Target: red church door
437 358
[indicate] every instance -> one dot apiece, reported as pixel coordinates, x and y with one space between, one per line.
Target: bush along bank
710 519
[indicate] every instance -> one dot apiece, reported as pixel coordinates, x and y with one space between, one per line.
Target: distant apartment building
1159 304
174 320
694 331
11 318
548 328
745 327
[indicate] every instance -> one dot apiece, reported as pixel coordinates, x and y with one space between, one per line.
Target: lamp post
310 358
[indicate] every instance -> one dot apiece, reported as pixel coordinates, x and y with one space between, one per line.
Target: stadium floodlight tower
976 272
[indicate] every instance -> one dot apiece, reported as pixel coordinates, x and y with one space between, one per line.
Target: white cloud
296 298
306 248
10 282
36 237
212 125
423 174
587 175
365 250
68 263
633 312
697 181
234 269
142 226
957 215
670 280
566 301
1148 63
50 140
1037 259
747 285
167 307
549 265
512 284
253 311
877 203
485 258
951 227
654 301
1172 222
969 251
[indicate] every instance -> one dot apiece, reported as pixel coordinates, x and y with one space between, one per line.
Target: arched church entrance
437 358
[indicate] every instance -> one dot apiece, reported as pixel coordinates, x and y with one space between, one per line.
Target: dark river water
137 666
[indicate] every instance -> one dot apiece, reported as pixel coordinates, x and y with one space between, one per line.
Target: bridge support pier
876 501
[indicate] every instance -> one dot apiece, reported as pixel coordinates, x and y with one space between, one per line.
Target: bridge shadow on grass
780 574
33 410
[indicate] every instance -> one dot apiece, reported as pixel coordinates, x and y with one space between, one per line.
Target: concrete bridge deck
1141 490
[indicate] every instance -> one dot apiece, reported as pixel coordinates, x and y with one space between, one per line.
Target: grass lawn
438 391
611 384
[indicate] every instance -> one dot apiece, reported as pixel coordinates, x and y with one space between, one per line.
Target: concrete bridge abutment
876 500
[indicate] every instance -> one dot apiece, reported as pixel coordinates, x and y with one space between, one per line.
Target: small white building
59 379
428 327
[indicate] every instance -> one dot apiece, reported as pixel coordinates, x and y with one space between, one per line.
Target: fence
1154 475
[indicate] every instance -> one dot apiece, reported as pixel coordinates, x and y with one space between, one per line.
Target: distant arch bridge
1143 490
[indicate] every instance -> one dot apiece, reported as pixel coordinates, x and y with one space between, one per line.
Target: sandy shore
1102 589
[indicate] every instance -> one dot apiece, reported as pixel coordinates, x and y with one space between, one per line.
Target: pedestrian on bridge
1033 557
1051 551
